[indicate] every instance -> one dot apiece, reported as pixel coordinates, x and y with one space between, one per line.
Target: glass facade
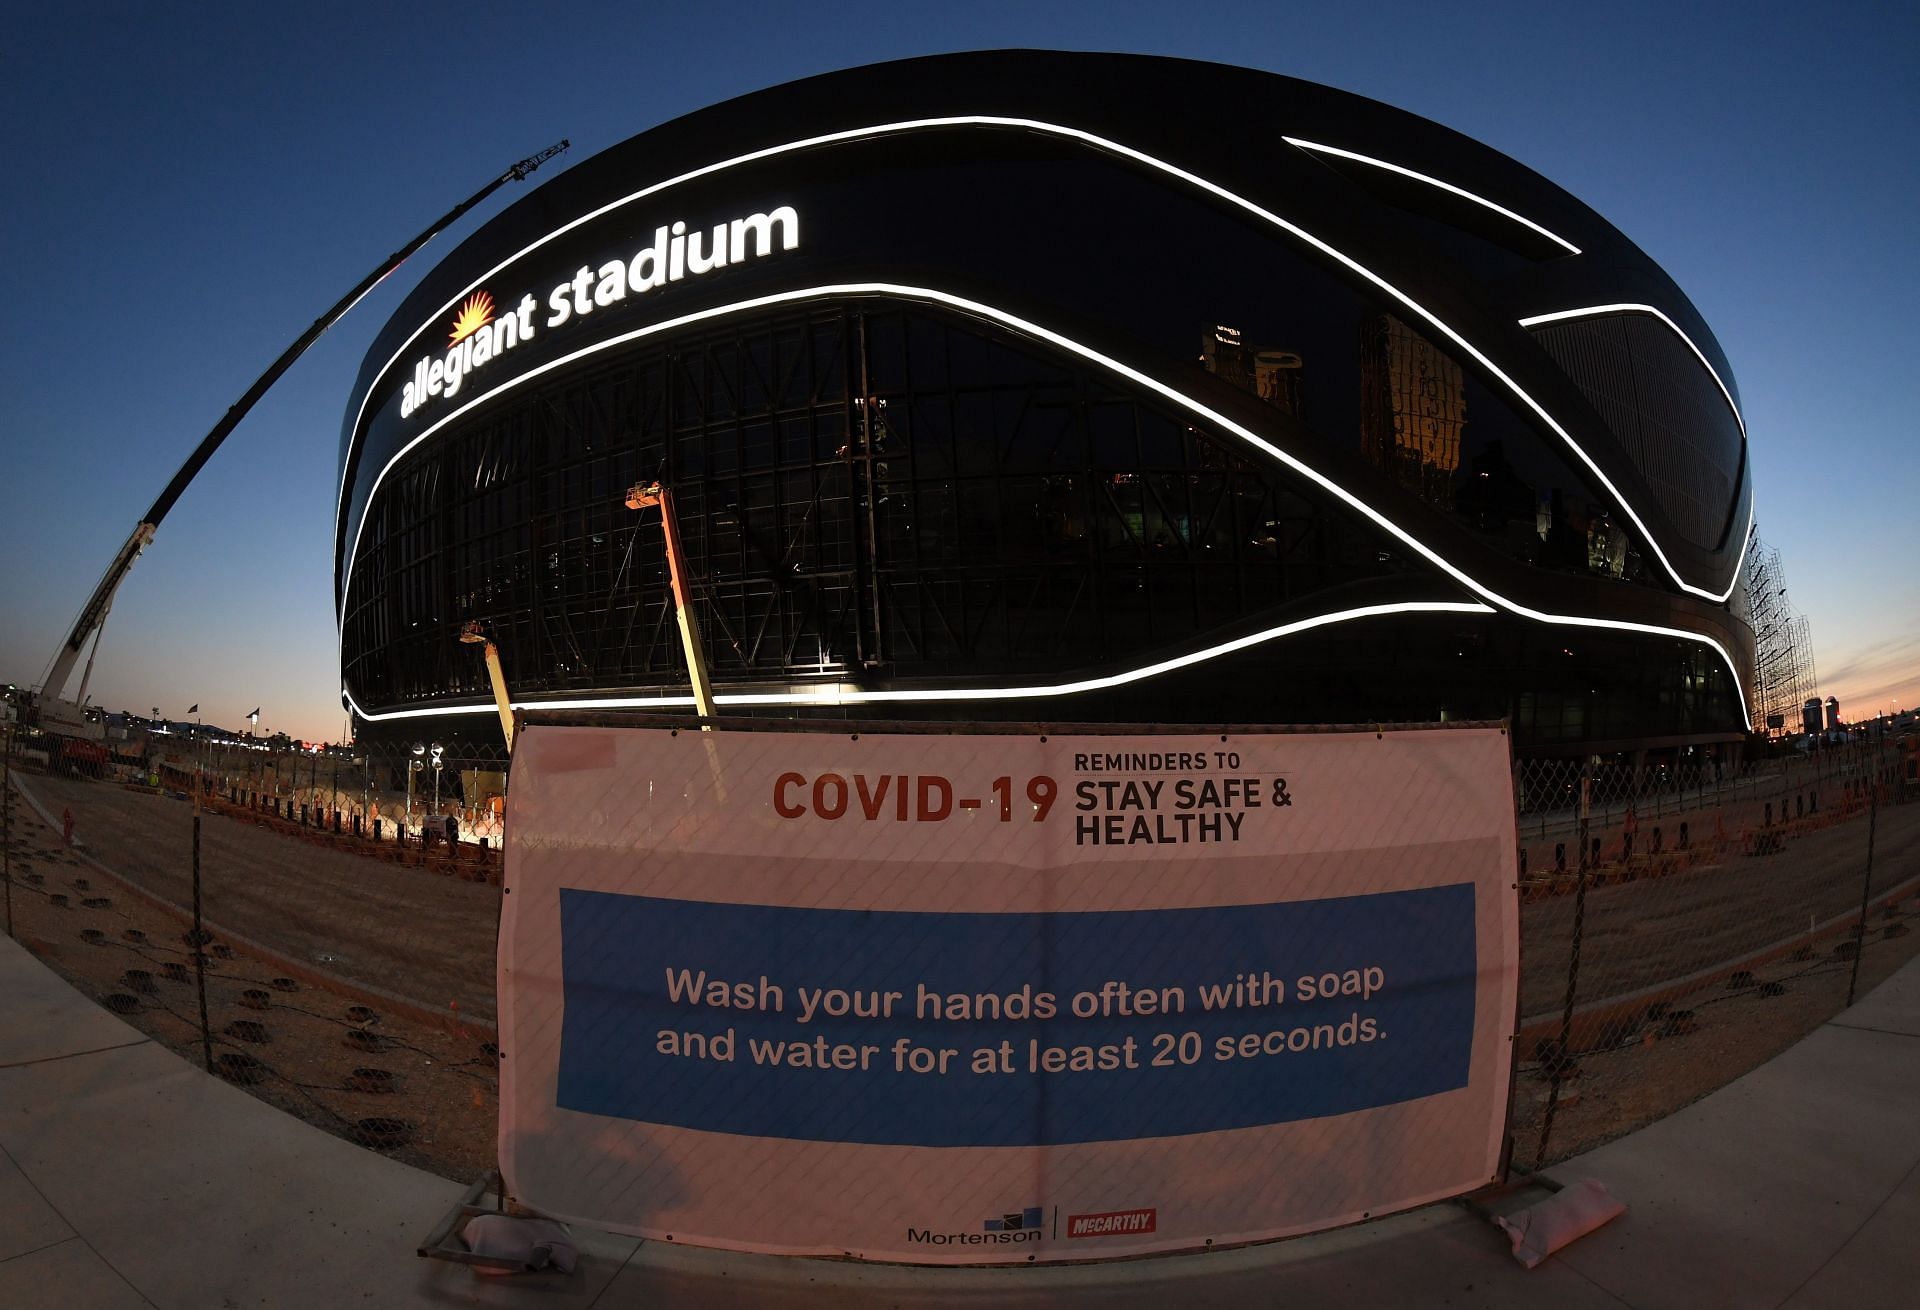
1667 411
880 488
872 488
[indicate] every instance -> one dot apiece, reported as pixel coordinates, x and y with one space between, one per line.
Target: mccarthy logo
1028 1225
1114 1223
477 337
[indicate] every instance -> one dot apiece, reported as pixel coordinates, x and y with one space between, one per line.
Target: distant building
1812 717
1833 713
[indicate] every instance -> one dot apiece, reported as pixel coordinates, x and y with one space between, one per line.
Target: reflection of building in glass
1276 379
1272 375
1226 356
1412 409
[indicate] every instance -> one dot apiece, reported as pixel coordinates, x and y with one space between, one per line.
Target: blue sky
188 188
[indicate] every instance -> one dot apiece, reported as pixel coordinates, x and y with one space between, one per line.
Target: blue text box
617 951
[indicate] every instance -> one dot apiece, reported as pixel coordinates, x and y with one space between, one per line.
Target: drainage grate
56 898
370 1080
175 972
1773 989
121 1003
255 999
246 1030
383 1134
93 935
81 884
362 1040
134 935
1741 978
196 936
35 879
221 951
284 985
361 1014
98 902
139 980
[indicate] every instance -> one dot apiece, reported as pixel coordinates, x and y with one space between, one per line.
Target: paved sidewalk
130 1178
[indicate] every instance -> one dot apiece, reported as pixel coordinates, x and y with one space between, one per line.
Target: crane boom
94 612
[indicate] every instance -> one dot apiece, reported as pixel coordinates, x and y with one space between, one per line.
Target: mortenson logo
478 337
1028 1225
1114 1223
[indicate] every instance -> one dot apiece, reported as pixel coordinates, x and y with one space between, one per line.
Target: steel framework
1783 657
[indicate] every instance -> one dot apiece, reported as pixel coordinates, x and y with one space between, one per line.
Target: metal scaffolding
1783 655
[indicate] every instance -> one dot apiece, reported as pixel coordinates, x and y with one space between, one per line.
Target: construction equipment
642 495
67 718
474 632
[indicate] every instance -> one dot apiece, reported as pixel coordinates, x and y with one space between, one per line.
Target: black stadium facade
1054 387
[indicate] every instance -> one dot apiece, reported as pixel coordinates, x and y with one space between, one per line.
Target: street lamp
439 755
414 766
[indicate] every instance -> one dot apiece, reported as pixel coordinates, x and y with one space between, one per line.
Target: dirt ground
438 1081
430 938
409 931
1637 934
1666 1058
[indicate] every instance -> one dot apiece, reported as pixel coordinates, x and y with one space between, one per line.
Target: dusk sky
188 187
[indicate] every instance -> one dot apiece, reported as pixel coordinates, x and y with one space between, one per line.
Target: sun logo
474 315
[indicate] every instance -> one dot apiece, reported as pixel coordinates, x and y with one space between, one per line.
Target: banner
992 998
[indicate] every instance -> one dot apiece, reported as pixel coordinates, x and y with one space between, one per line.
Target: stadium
1053 387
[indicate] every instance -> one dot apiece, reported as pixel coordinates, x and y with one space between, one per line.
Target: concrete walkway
130 1178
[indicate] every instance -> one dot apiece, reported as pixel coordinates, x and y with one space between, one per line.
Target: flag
193 709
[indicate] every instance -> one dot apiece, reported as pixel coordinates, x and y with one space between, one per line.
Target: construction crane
69 718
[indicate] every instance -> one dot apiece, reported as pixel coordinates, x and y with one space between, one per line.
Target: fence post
1561 1054
6 823
200 945
1866 892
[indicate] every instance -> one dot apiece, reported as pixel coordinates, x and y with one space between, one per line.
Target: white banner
995 998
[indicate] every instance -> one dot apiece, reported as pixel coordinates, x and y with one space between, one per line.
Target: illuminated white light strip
833 695
1592 310
1074 133
1021 325
1448 187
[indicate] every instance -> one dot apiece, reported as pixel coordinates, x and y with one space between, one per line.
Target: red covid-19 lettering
901 797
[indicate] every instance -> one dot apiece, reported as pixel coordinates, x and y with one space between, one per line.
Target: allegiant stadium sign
479 336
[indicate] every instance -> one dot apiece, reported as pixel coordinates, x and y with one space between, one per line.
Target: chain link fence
318 927
1680 925
321 927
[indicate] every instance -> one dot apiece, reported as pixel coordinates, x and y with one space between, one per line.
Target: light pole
439 757
414 766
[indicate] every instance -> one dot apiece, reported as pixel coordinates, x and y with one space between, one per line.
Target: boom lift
69 718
